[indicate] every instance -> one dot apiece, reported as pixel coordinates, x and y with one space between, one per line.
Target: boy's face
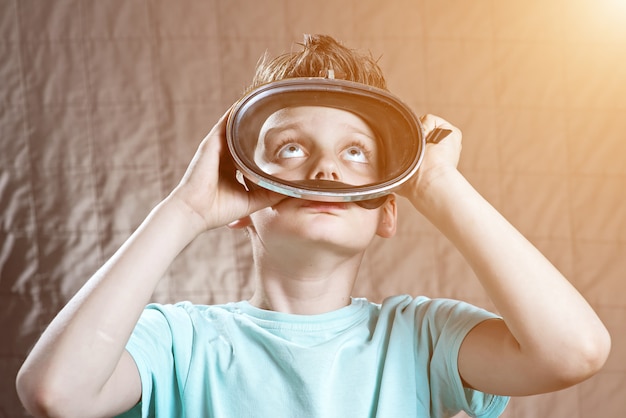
308 142
318 143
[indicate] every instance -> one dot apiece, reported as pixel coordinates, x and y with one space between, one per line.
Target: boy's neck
309 286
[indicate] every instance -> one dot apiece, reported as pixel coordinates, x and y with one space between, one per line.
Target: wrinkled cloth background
102 104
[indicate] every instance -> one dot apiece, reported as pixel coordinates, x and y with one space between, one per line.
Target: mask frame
394 124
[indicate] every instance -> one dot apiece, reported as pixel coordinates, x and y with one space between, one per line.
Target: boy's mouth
325 206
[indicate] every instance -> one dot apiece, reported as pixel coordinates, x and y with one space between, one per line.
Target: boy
301 346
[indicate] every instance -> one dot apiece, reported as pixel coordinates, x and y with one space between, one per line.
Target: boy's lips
325 206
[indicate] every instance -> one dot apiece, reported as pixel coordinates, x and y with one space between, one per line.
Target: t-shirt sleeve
456 319
161 364
442 325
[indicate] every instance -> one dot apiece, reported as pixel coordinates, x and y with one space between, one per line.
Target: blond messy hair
320 56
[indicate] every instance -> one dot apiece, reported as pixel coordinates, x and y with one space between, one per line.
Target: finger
211 147
262 198
217 134
436 128
430 122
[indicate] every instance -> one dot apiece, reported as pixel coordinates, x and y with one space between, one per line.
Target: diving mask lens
399 140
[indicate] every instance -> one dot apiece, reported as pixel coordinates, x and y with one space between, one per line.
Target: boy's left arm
550 337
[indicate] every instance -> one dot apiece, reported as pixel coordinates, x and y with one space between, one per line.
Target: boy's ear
388 218
240 223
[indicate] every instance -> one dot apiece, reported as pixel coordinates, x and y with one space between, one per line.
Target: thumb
257 200
260 198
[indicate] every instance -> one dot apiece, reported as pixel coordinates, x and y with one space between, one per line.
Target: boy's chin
331 230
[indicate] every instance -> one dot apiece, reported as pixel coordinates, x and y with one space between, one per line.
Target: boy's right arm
80 367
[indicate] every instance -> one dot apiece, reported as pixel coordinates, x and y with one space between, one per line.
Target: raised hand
210 189
440 157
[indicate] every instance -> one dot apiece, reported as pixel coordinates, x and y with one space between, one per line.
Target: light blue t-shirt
397 359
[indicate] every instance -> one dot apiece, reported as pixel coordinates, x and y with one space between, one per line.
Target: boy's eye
355 154
291 151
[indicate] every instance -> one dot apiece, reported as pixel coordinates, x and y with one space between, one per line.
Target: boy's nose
326 169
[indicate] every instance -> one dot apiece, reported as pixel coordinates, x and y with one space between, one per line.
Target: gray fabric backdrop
102 104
